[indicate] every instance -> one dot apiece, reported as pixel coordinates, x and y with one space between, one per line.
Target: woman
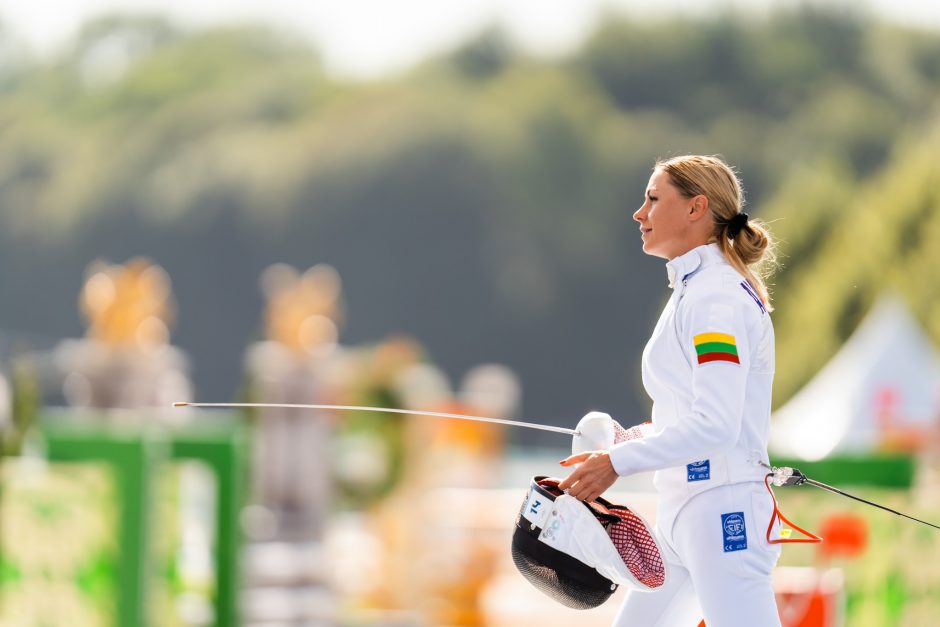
708 368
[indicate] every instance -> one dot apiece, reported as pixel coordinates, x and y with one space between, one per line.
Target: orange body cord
811 538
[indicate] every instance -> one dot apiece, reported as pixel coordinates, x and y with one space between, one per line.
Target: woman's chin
654 251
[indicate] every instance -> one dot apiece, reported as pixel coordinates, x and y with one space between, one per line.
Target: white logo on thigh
733 528
734 525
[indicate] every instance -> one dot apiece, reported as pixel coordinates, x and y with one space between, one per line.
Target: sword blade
387 410
819 484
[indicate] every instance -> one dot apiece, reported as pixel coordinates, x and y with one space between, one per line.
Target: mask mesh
561 577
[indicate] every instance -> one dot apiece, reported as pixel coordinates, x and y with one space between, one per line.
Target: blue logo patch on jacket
734 532
698 471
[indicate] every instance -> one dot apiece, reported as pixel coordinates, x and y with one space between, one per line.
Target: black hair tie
736 224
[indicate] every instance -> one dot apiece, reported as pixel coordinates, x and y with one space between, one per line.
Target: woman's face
664 220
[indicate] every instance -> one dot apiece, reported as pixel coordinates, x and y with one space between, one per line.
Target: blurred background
428 206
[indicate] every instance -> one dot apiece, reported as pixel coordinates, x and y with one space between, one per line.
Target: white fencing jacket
708 369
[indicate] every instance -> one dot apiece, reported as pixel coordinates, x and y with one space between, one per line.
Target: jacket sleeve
714 341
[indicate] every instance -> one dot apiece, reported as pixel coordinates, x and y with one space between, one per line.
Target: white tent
888 370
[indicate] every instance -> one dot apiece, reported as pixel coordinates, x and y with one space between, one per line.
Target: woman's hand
589 480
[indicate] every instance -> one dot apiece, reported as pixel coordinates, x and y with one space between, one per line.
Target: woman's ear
698 208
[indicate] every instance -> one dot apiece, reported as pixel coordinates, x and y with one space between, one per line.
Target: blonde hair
750 248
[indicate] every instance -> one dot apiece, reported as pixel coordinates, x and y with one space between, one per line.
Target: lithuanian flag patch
716 347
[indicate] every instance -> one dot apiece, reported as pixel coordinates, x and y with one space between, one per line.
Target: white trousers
718 568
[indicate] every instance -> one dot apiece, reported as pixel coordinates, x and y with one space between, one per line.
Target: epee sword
787 476
387 410
782 476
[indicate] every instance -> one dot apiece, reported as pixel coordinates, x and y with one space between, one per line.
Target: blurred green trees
481 201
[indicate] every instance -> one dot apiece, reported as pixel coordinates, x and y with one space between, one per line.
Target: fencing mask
578 553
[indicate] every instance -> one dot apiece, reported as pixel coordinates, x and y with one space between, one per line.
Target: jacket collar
685 265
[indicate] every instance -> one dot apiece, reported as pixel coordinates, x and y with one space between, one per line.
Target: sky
367 38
